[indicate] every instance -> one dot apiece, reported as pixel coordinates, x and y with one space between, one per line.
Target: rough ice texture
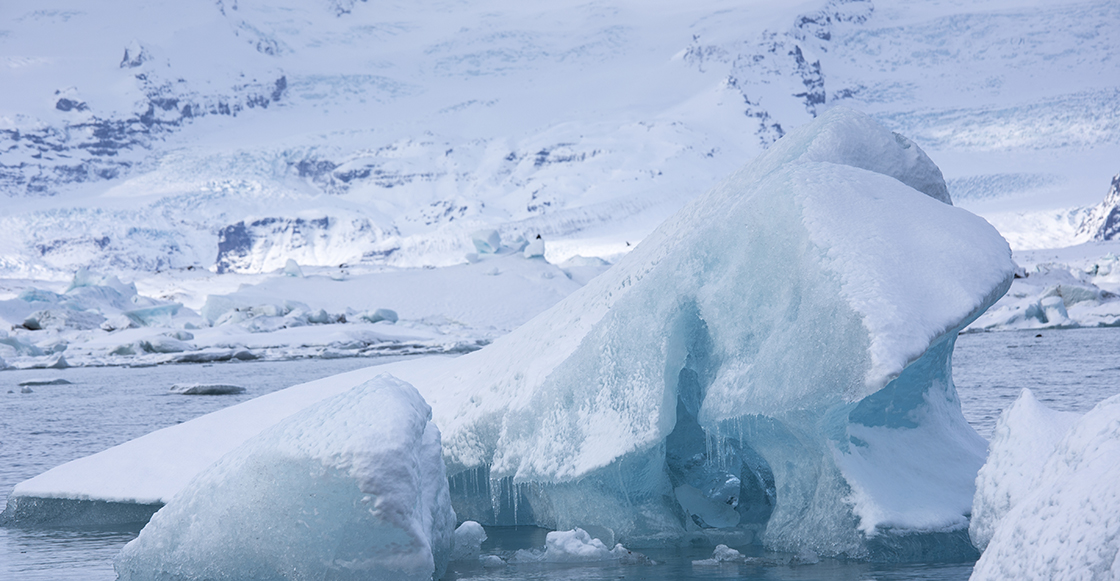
1067 525
779 350
351 488
466 542
575 546
1025 436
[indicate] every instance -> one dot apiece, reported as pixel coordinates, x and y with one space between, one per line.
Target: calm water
1068 370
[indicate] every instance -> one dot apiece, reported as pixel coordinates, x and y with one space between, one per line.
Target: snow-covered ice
351 488
1063 518
577 546
1025 437
466 542
721 555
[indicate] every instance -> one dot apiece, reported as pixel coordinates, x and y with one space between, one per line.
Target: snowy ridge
401 130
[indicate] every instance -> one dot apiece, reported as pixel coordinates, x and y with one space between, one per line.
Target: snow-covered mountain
234 135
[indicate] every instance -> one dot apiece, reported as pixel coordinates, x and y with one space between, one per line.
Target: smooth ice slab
351 488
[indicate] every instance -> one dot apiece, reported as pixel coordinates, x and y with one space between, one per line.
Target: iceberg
773 363
351 488
1063 520
774 357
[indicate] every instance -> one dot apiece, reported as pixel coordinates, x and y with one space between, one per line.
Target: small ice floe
38 382
578 546
723 555
25 389
206 389
491 561
466 541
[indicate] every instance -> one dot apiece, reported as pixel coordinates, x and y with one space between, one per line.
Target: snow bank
778 350
351 488
1025 436
1066 522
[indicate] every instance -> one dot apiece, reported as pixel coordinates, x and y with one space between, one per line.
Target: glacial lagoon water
1068 370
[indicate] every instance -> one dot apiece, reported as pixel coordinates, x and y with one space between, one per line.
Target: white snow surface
1066 523
353 487
1026 435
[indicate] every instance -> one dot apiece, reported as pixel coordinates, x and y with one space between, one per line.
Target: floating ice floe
329 493
206 389
578 546
1070 287
1048 500
720 556
466 542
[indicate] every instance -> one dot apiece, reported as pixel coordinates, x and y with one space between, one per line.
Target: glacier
772 363
1048 499
325 494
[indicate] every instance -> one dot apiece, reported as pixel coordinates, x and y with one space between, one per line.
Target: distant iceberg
350 488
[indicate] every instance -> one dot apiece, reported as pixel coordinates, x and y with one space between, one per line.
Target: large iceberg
774 360
775 357
350 488
1063 521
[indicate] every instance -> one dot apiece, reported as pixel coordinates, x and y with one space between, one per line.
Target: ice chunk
63 317
164 344
154 316
575 546
790 331
1065 523
206 389
379 315
37 382
722 554
351 488
487 241
1025 436
466 543
535 248
291 268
